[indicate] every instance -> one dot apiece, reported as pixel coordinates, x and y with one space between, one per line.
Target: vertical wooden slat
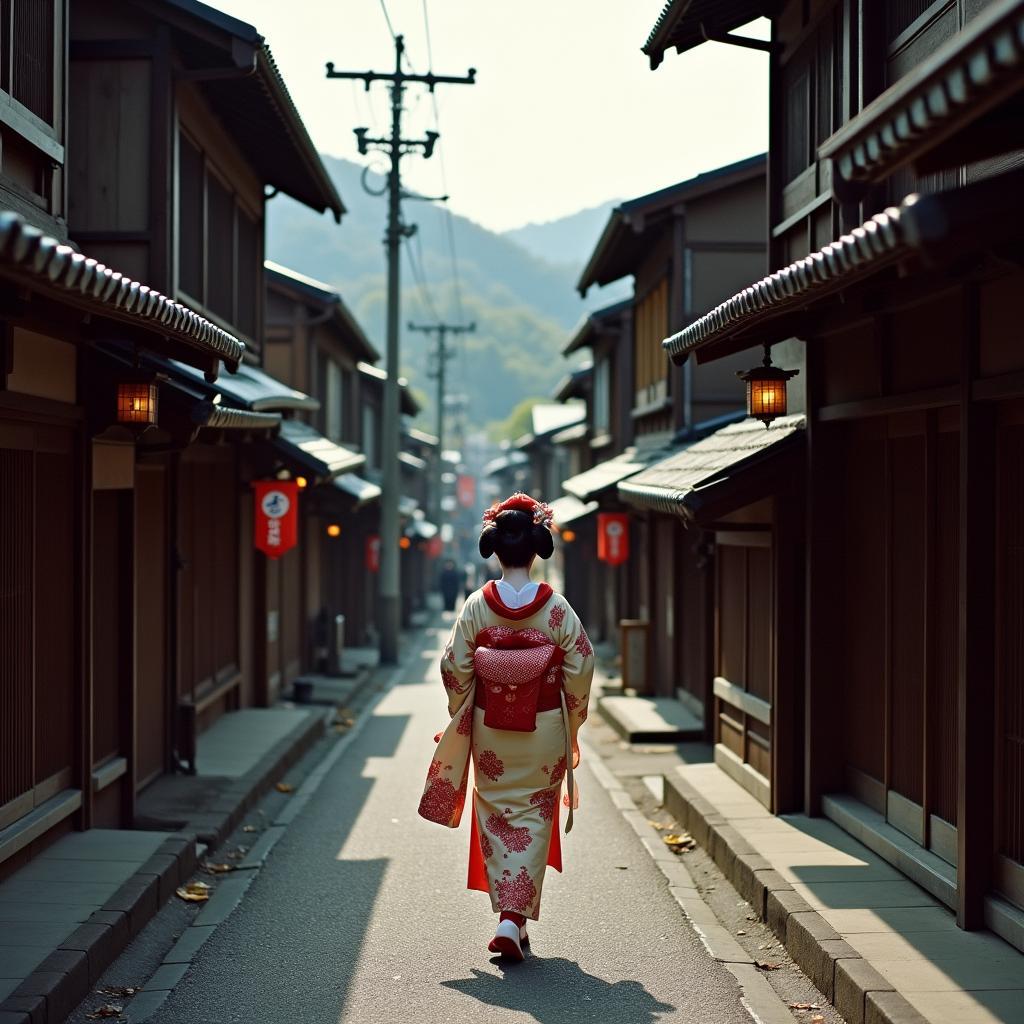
16 733
976 686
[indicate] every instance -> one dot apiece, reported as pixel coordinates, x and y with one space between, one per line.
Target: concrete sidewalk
71 910
873 941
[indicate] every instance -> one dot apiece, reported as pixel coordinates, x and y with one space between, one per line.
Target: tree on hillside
517 423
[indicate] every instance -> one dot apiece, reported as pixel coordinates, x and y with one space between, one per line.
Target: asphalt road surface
361 914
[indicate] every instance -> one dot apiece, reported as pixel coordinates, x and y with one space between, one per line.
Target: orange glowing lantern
333 530
405 543
766 389
303 482
137 402
568 536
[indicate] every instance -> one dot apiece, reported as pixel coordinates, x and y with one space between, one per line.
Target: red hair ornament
520 502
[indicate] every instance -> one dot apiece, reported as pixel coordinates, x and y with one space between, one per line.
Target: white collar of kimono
512 598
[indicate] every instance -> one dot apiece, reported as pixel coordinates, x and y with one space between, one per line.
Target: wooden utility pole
443 355
396 147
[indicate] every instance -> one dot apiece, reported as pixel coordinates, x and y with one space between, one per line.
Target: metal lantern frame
767 396
138 401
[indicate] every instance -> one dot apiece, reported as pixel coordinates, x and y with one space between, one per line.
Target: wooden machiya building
145 135
313 342
684 246
895 204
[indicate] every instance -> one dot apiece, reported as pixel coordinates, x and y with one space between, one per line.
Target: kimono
518 776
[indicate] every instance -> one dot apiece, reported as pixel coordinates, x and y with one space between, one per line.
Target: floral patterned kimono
519 776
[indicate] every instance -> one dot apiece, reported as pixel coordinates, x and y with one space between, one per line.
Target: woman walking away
517 670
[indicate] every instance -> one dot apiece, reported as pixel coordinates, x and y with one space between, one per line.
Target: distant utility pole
396 147
443 355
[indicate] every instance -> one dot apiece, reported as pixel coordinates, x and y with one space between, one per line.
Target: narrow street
361 912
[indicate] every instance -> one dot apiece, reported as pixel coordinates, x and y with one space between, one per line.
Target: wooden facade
914 391
127 576
684 246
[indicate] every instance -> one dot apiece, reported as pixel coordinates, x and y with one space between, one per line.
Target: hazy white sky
565 113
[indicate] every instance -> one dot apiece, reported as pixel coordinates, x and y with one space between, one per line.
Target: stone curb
53 990
65 978
760 999
849 981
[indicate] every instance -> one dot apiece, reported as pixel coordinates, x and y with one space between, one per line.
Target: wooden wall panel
1010 643
861 662
16 613
107 634
732 613
943 630
759 623
907 615
55 615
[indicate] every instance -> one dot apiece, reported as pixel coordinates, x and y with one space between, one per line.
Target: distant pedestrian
517 670
451 583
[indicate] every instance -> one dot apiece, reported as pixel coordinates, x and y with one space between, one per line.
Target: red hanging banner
435 546
465 490
373 553
276 519
612 537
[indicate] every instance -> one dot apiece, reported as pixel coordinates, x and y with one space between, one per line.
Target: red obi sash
519 672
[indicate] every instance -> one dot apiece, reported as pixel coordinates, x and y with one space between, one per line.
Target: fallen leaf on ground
117 990
753 917
194 892
284 787
741 932
621 867
106 1010
679 842
218 869
762 966
817 1019
659 825
249 828
804 1006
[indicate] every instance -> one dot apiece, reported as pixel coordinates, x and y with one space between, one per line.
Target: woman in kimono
517 670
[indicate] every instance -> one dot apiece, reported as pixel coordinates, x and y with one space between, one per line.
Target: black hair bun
487 537
515 538
543 542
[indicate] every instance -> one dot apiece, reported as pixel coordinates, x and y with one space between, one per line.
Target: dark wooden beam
912 401
976 690
823 608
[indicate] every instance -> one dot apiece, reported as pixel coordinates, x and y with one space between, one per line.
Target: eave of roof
681 24
575 383
45 265
327 299
221 417
606 319
309 448
374 374
690 480
642 215
970 73
239 99
567 509
605 475
970 217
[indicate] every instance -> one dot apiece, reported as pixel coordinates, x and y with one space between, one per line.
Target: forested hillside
524 307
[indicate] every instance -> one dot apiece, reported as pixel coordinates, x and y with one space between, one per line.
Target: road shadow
559 991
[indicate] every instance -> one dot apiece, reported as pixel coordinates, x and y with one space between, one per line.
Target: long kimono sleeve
577 669
457 660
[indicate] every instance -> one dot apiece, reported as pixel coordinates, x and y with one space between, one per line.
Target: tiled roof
568 509
606 475
670 484
47 265
941 225
977 67
309 448
682 22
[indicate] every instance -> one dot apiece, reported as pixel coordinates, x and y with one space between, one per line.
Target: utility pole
396 147
442 331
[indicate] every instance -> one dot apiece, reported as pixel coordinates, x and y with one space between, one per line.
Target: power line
447 213
419 277
387 18
395 146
